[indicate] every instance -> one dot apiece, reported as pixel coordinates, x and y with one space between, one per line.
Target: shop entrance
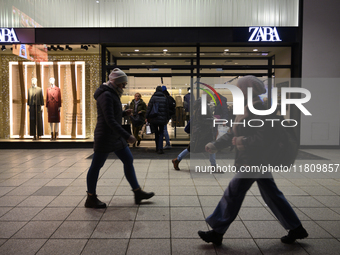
182 68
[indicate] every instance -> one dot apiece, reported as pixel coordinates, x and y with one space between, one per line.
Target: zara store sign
8 35
264 34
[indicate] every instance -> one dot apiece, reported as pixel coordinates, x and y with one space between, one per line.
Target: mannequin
53 104
35 102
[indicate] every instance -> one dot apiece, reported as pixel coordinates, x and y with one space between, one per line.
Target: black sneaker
298 233
211 237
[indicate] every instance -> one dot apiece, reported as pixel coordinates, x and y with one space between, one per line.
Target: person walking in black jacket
109 136
157 115
250 145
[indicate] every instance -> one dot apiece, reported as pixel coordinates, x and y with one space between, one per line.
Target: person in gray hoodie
110 136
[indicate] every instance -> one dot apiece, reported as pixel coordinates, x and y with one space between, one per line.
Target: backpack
284 146
172 105
154 111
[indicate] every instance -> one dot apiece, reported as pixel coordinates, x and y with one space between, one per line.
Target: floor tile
192 246
63 246
22 246
320 213
85 214
53 213
9 228
75 229
119 213
184 201
274 247
186 213
149 246
321 246
265 229
113 229
153 213
106 247
151 229
238 246
187 229
38 229
37 201
21 214
332 227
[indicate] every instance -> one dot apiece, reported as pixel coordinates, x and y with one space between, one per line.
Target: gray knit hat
251 81
117 76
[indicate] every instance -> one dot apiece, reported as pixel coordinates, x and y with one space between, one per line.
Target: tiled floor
42 195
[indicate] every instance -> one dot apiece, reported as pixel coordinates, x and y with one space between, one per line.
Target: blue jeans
98 161
166 135
230 204
212 157
182 154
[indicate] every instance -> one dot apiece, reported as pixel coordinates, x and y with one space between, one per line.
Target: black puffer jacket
163 109
109 135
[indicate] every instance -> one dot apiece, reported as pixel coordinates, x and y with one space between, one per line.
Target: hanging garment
35 101
53 102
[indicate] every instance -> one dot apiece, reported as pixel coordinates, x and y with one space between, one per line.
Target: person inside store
186 104
53 104
110 136
172 112
202 133
157 115
138 112
250 145
35 102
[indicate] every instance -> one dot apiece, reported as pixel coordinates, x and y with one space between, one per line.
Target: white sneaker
166 147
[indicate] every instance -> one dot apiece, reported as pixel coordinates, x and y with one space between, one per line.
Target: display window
47 99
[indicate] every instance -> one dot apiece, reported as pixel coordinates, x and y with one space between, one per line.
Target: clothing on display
53 103
35 101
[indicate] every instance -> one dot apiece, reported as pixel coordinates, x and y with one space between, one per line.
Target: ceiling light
255 49
3 48
165 50
213 63
136 49
226 49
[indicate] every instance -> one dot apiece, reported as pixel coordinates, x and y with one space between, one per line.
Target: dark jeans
159 130
230 204
98 161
